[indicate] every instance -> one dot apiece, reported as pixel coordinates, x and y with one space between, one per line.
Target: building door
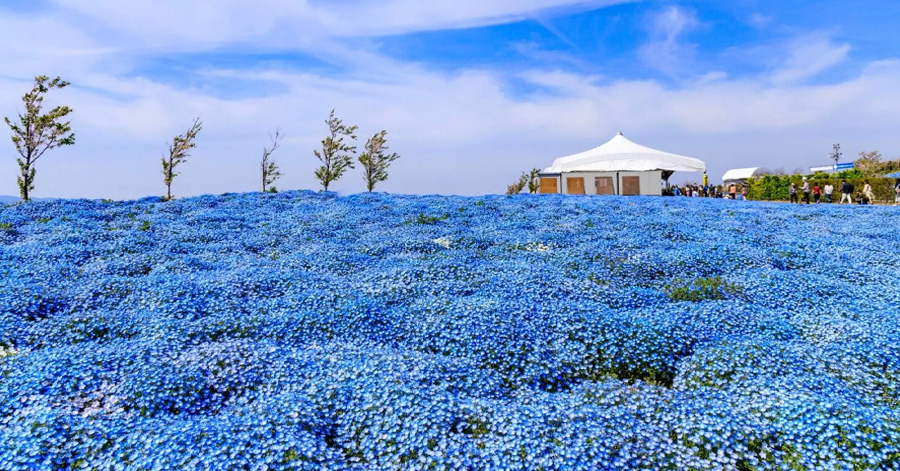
631 186
575 185
604 186
549 186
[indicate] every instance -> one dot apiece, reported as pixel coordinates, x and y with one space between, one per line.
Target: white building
619 167
739 175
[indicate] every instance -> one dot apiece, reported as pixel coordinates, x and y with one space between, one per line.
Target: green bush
776 188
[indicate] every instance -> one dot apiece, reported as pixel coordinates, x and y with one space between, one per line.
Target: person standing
897 193
805 189
817 193
732 190
867 192
793 191
829 189
846 192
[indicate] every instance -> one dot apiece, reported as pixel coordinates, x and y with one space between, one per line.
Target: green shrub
776 188
428 220
701 289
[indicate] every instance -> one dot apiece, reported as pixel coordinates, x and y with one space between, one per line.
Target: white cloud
461 132
759 20
808 56
666 51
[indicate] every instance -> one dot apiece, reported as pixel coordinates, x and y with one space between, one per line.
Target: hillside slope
310 331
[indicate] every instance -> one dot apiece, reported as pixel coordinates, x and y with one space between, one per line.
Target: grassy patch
702 289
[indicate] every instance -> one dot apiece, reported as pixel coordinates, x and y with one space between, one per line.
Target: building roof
622 155
739 174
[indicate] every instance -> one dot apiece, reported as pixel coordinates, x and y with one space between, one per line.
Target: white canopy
622 155
739 174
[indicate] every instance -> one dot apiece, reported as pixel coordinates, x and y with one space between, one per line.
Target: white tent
622 155
739 174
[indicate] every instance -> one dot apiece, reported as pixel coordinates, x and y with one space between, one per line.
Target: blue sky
471 92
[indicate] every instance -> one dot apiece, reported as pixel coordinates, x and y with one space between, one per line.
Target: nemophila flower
304 330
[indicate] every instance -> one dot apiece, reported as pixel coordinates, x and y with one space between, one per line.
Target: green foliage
534 181
428 220
270 171
375 161
335 154
850 174
6 226
178 153
145 226
702 289
775 188
35 133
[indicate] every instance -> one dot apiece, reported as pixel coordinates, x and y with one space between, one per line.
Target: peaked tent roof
622 155
739 173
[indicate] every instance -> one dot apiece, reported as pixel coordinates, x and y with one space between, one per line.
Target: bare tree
868 162
335 154
270 171
375 160
178 154
36 133
516 187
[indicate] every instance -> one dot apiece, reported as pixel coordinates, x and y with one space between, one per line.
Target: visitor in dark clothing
846 192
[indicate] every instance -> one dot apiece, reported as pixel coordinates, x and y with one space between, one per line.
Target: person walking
867 192
805 189
793 192
817 193
829 189
846 192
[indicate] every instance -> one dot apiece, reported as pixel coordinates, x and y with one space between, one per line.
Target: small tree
375 161
516 187
270 171
178 153
36 133
335 154
868 162
534 181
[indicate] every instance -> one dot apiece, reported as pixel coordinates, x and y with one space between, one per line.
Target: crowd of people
707 191
862 196
807 193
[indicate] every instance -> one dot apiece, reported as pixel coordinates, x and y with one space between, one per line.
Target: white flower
443 242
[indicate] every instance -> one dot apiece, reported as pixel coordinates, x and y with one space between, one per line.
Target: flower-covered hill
310 331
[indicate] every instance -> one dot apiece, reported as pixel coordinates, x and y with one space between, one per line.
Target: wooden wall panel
604 185
575 185
549 186
631 186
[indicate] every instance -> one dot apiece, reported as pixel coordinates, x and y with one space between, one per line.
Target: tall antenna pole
836 155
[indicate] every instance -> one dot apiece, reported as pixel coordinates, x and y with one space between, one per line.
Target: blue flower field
308 331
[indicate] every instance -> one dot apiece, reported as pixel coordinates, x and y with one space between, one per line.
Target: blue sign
846 166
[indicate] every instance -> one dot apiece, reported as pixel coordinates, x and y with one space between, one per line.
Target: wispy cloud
666 51
446 122
808 56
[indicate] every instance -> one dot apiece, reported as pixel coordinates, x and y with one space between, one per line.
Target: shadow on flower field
304 330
